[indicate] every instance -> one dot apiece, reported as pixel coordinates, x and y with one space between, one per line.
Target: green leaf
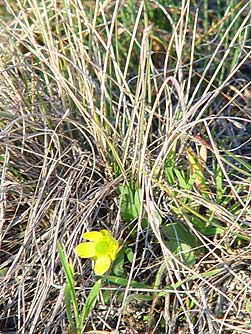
181 242
137 200
139 296
90 301
209 228
130 199
248 307
182 181
124 281
68 300
117 267
3 271
197 169
128 209
118 263
177 230
70 281
129 254
185 252
170 175
176 285
169 170
106 296
219 179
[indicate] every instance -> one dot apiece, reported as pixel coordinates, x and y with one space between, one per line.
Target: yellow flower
102 249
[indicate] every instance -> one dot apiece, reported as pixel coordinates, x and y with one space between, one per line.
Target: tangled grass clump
131 117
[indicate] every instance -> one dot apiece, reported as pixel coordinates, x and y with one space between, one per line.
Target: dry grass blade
134 117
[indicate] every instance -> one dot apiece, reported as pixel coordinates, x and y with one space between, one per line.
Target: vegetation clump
131 117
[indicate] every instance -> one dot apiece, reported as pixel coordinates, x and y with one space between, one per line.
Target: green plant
181 242
109 110
130 197
77 317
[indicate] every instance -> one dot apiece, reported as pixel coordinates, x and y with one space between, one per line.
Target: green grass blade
90 301
124 281
69 280
68 300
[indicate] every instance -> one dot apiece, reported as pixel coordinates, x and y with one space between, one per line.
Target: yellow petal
102 264
114 250
92 236
106 234
85 249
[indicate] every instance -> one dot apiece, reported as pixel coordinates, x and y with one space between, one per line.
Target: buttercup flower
101 248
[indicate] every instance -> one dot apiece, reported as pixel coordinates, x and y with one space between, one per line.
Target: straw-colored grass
148 98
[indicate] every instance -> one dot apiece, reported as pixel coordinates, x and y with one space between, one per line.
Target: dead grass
89 103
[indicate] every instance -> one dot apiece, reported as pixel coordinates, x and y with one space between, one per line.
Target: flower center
102 247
